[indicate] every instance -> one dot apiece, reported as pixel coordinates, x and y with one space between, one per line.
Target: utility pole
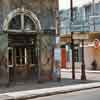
72 41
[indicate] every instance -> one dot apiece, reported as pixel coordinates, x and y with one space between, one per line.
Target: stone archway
22 27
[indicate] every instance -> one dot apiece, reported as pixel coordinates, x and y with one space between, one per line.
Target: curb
48 91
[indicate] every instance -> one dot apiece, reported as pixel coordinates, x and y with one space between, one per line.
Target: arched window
21 20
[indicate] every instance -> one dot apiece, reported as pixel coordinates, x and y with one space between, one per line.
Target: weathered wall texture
47 42
3 58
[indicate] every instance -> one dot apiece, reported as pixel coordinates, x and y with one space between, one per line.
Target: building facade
85 20
27 37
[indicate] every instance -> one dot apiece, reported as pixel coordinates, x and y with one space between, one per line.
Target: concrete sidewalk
79 71
34 89
47 91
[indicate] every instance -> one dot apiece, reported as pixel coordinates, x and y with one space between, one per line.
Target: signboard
96 43
80 36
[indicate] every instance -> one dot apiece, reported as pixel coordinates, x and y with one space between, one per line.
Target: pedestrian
94 65
56 71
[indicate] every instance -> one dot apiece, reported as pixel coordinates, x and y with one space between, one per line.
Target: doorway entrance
22 63
22 58
22 27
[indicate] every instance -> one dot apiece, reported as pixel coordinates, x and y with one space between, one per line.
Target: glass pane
17 52
18 60
15 23
23 60
23 51
28 24
31 56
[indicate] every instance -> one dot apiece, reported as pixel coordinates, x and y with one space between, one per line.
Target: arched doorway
22 27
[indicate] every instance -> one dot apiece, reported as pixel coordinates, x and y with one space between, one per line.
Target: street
92 94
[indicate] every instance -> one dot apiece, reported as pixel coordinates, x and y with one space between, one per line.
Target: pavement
24 95
89 94
26 91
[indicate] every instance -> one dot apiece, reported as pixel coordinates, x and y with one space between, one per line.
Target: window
87 11
22 22
25 56
32 57
20 56
15 23
28 23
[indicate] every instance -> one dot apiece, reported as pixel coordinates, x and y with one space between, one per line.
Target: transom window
22 22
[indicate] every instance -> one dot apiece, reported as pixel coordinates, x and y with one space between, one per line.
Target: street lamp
84 36
72 41
83 75
81 37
